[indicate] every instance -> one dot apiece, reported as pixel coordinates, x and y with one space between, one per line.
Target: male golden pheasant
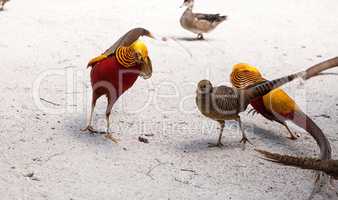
117 69
275 106
278 106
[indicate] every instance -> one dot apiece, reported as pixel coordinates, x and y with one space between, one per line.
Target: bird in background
2 4
116 70
199 23
330 167
225 103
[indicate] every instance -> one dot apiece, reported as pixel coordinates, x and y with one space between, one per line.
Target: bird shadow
271 139
201 145
189 39
74 124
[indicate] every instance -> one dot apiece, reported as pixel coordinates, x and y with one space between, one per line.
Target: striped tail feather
245 75
306 123
328 166
304 163
263 88
299 118
318 68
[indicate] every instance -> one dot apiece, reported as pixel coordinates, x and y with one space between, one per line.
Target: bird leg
89 126
108 134
244 139
292 135
200 36
322 184
219 142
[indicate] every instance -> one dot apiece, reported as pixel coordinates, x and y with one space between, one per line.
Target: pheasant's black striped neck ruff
126 56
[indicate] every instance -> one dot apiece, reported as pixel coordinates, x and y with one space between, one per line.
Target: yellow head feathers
241 67
142 52
141 48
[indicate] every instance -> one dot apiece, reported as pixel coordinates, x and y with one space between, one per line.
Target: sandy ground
44 48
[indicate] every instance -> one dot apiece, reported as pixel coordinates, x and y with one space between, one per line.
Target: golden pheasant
277 102
278 106
117 69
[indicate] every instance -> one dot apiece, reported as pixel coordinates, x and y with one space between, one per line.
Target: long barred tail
318 68
263 88
330 167
222 18
248 77
304 163
306 123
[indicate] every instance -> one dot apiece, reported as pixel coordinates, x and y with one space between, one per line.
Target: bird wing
209 17
225 100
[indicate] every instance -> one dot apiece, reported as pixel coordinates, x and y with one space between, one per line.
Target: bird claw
90 129
292 137
109 136
218 144
323 183
245 140
200 36
252 111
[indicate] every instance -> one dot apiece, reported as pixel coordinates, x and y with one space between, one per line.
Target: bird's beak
151 36
183 4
